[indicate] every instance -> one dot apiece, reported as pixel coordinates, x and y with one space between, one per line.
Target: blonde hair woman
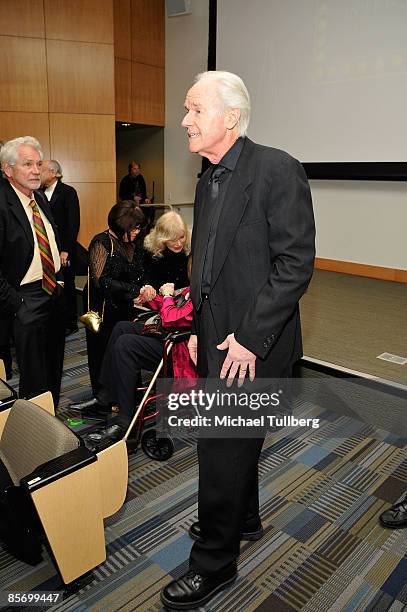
167 247
169 232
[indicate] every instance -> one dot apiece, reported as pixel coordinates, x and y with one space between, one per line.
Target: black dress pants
228 501
127 353
39 337
228 498
96 345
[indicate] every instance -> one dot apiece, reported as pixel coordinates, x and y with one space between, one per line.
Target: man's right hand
193 348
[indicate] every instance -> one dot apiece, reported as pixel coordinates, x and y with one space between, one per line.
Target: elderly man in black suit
253 254
30 295
65 210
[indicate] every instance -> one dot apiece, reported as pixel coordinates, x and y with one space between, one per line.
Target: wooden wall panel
141 23
23 74
80 77
79 20
148 32
359 269
22 18
122 29
96 199
148 94
74 54
85 146
26 124
122 81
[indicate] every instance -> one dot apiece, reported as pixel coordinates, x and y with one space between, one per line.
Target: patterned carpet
321 493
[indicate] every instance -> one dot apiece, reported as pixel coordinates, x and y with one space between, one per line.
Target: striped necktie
48 268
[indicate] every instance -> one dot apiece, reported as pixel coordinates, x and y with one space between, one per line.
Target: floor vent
393 358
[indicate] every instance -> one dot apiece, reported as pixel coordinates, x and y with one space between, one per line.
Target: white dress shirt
50 190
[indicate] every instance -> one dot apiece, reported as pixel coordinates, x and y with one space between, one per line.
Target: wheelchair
157 448
141 431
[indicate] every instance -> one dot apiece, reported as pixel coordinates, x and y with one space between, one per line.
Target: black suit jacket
16 251
263 257
65 210
130 187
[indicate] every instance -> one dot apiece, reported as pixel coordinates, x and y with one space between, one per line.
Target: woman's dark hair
124 217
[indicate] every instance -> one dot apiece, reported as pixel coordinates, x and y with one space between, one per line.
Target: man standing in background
133 185
30 294
64 204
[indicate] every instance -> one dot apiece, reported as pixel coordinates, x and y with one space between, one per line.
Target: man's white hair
56 167
232 94
9 151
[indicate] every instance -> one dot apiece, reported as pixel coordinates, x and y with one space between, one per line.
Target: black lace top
170 268
115 278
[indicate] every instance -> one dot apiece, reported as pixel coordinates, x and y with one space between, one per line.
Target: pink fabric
174 318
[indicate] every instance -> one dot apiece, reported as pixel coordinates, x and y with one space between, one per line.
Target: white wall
186 55
327 78
362 221
358 221
328 81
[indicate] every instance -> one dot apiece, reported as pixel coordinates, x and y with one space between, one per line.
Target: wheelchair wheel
159 449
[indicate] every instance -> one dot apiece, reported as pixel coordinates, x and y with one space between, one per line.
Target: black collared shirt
228 161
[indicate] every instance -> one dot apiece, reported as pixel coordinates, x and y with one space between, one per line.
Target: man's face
206 123
48 176
134 170
25 175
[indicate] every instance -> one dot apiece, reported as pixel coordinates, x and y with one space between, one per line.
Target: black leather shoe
396 516
195 533
192 590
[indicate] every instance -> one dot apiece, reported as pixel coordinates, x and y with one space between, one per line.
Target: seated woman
167 247
116 276
129 351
